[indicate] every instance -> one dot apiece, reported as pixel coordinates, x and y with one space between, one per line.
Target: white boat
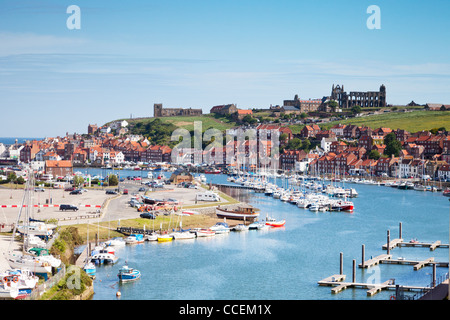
8 290
116 242
45 255
314 207
18 260
151 237
205 232
240 227
24 280
420 187
182 235
220 227
35 228
134 239
104 258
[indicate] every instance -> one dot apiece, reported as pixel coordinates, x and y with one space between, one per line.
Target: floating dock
339 284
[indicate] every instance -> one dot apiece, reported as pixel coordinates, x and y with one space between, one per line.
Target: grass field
410 121
187 122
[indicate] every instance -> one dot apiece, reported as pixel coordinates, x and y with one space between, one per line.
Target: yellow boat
164 238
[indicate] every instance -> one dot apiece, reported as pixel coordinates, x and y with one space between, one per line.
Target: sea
287 263
12 140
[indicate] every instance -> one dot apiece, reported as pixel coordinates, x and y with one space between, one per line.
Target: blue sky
129 55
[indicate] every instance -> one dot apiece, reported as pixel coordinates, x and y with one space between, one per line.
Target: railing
401 296
41 288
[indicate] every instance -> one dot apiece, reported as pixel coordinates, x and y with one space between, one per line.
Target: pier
339 284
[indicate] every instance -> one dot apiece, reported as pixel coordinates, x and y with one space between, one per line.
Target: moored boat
205 232
241 213
275 223
134 238
127 274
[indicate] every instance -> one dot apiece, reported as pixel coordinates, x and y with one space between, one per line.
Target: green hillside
410 121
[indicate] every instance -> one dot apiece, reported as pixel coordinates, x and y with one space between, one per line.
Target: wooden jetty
339 284
394 243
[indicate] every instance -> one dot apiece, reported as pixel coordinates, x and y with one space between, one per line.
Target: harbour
299 255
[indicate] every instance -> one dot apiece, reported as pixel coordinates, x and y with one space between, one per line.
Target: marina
290 247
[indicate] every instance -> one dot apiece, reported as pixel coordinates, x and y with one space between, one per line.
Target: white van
207 196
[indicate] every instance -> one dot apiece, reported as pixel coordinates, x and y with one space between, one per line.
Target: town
339 149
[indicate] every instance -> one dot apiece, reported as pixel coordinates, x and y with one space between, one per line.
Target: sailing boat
25 260
89 266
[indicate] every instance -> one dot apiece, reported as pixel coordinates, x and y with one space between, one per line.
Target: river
287 263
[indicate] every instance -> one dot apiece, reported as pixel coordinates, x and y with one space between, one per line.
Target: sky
128 55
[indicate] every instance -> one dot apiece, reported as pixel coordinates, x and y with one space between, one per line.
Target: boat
257 225
17 260
189 212
420 187
214 171
127 274
103 258
8 289
241 213
90 268
115 242
446 193
134 239
164 237
151 237
45 255
275 223
240 227
220 227
24 280
182 235
205 232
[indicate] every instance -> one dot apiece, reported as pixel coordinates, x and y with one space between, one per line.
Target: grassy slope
207 120
409 121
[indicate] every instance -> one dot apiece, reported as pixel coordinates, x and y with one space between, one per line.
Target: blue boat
127 274
90 268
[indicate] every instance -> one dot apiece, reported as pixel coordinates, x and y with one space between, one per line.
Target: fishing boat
241 213
134 238
127 274
90 268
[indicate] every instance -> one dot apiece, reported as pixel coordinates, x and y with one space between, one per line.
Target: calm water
287 263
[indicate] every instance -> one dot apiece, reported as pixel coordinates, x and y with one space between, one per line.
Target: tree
356 109
113 180
12 177
374 154
78 181
393 146
294 144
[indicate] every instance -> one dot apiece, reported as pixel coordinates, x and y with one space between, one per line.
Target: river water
287 263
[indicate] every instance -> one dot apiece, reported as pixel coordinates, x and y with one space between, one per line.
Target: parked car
142 189
75 192
65 207
147 215
110 191
125 191
39 189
